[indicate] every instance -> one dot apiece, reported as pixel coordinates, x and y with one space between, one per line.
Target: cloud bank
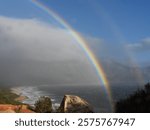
33 52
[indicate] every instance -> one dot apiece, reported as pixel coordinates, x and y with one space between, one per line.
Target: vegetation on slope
7 97
138 102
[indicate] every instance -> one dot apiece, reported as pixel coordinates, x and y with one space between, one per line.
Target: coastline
29 95
12 102
20 97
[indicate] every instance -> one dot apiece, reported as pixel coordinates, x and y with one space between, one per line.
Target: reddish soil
8 108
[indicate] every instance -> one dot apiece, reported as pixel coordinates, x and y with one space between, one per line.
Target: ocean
95 95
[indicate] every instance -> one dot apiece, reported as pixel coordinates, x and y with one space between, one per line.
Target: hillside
7 97
9 103
138 102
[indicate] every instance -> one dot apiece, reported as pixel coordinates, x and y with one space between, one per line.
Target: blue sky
119 24
128 16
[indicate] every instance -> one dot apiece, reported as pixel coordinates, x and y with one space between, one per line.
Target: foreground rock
74 104
8 108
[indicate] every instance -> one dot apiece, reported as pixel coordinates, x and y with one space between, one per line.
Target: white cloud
37 40
33 50
144 45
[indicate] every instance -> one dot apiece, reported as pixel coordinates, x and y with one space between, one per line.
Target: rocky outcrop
74 104
8 108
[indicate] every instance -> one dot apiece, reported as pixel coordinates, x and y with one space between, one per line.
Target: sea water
97 97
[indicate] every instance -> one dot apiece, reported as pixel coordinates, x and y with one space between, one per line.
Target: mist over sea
95 95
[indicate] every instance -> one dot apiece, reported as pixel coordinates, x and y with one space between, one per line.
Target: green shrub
43 105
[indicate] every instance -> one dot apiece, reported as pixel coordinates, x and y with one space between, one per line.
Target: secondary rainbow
83 44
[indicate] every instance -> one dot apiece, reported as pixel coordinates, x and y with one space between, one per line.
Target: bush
147 87
43 105
138 102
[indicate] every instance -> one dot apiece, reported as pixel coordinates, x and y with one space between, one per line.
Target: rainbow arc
84 46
